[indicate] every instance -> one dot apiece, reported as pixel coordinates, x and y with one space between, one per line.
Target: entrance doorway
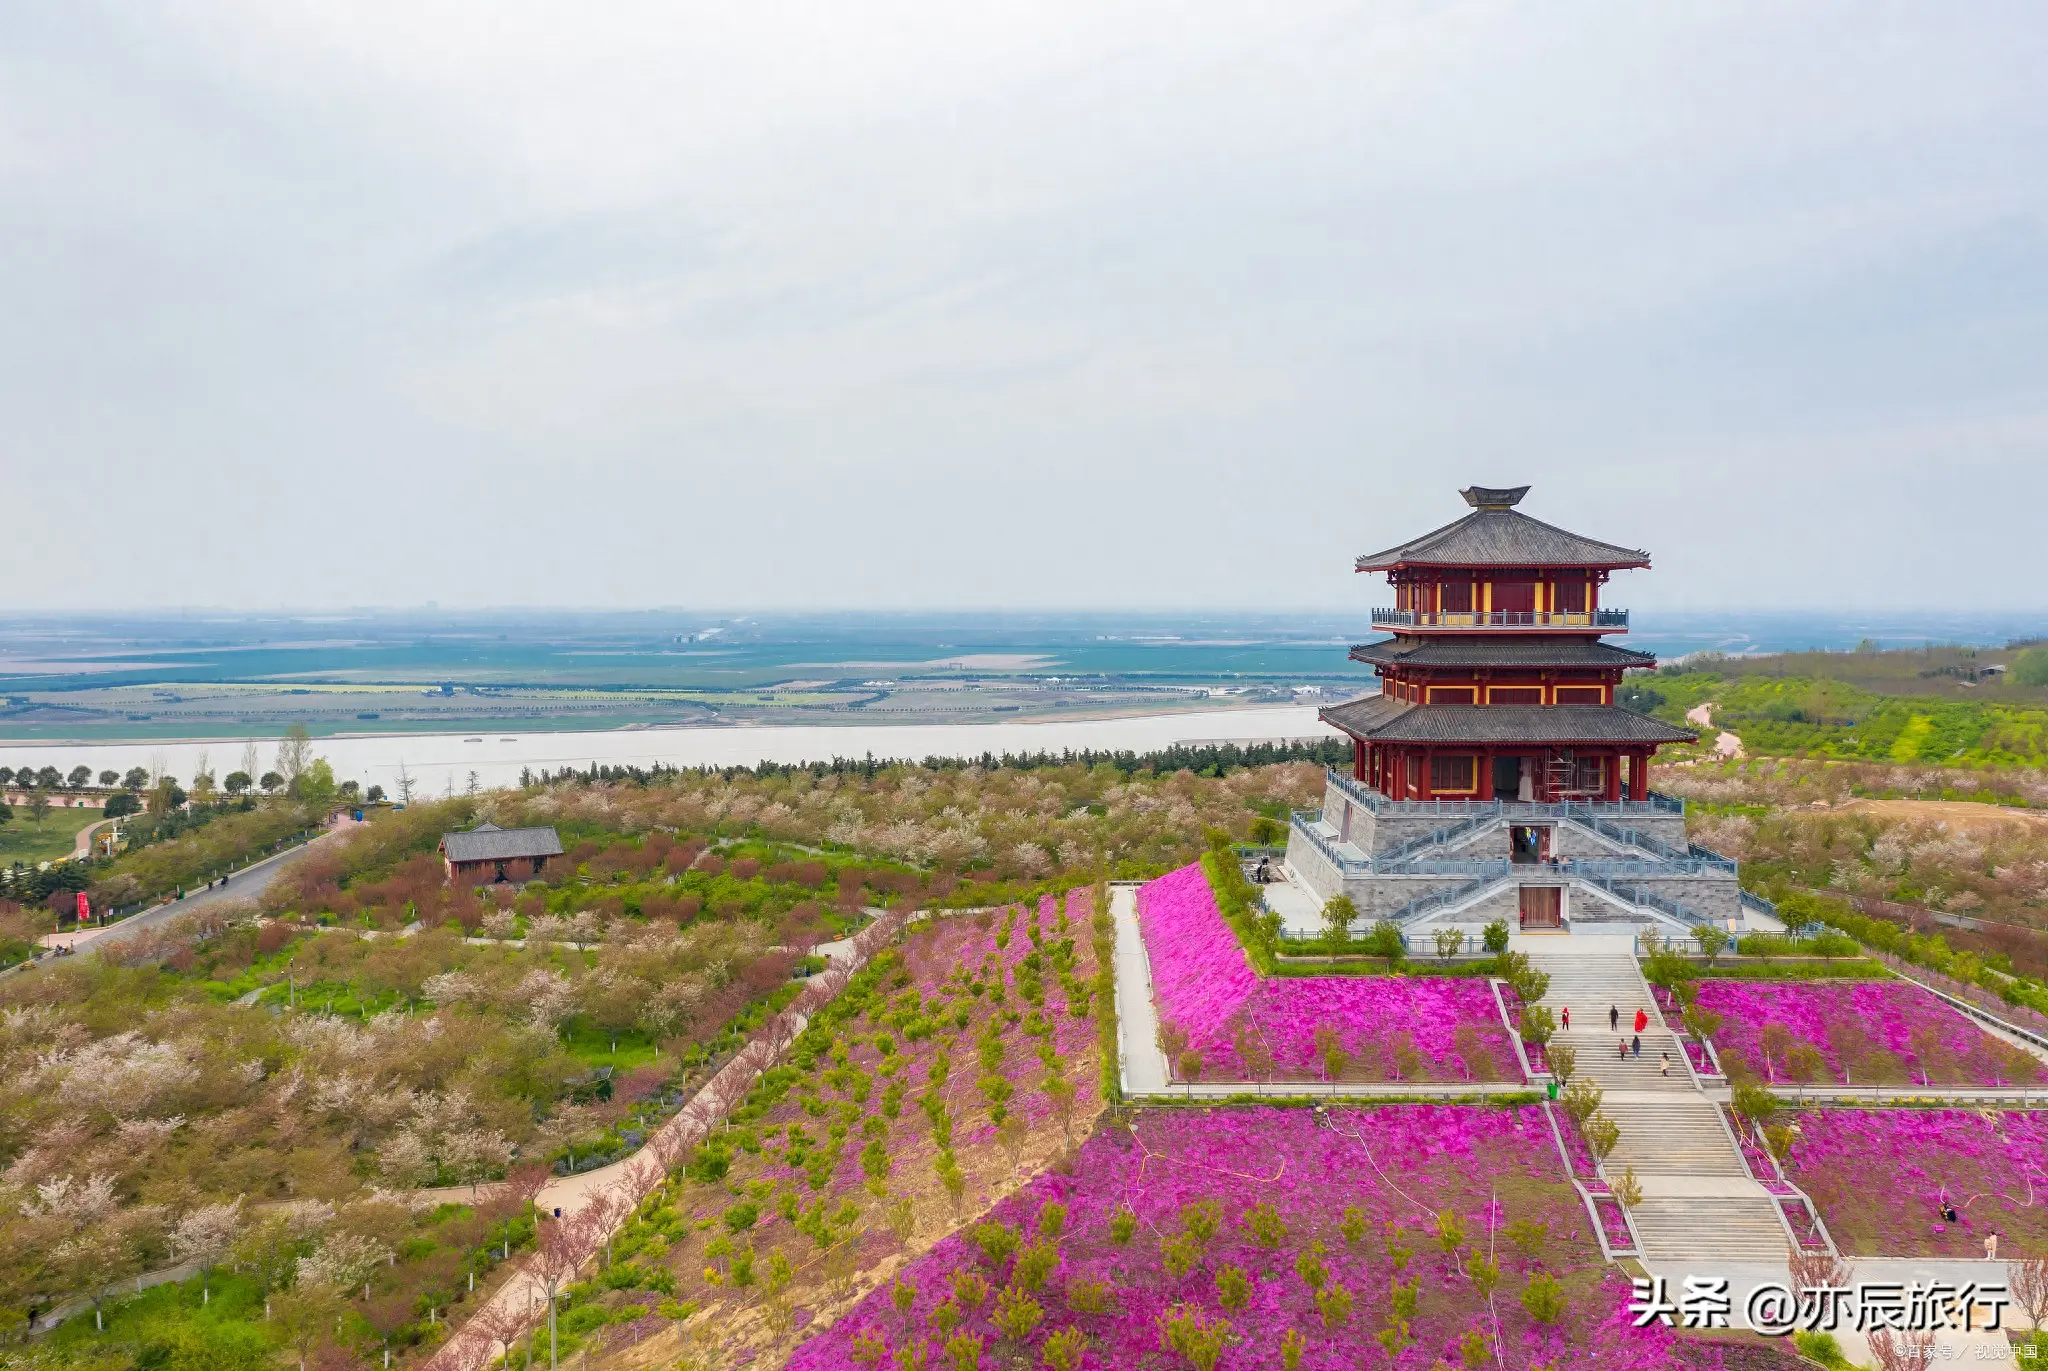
1507 778
1528 843
1542 906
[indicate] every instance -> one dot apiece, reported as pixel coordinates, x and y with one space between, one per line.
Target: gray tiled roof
489 843
1494 534
1498 651
1384 720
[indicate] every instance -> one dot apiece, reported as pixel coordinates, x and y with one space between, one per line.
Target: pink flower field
965 1057
1867 1032
1392 1027
1881 1177
1359 1237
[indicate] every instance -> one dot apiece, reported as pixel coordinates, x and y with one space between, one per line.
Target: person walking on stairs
1567 1018
1642 1021
1637 1045
1613 1019
1665 1069
1621 1049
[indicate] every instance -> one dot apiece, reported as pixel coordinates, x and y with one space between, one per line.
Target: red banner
84 909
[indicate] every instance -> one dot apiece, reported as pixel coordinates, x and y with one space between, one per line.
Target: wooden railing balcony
1604 620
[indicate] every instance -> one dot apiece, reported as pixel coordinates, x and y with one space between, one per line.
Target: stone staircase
1699 1204
1718 1228
1670 1134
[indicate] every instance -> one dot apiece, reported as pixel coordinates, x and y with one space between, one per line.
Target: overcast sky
1033 304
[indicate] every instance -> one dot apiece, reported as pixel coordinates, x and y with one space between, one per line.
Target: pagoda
1497 681
1494 776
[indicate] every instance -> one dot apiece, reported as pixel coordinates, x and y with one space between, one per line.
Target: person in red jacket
1642 1021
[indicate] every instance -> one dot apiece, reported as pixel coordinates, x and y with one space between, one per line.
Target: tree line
1211 759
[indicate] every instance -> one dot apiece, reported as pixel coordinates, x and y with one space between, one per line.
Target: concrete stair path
1699 1203
1589 986
1711 1228
1667 1134
1597 1062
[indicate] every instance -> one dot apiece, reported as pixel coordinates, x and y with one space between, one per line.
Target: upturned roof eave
1600 657
1588 554
1380 720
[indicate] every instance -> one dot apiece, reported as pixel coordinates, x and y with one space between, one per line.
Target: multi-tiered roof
1496 675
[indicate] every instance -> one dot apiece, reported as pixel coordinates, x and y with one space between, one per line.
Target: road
246 884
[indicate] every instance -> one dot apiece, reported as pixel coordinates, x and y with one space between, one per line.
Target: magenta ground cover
1391 1027
1397 1168
944 960
1856 1031
1881 1177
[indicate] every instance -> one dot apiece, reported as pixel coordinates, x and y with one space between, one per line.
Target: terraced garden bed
1865 1033
1222 1020
1409 1236
1882 1176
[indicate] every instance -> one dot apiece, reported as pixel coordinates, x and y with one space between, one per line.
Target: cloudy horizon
1008 306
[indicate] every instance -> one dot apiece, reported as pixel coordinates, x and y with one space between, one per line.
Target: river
438 763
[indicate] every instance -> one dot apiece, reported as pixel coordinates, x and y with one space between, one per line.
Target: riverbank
439 763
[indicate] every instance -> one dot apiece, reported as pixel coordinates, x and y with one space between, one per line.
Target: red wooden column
1614 778
1422 776
1486 774
1357 760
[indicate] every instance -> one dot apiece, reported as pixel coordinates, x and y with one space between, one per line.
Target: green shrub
1544 1298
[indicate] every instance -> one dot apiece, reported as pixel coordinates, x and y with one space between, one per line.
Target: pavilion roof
1382 719
1534 653
1497 534
489 843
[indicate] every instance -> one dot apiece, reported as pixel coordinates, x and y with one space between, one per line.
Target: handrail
1411 858
1758 903
1366 798
2026 1096
1503 618
1649 867
1977 1012
1355 789
1437 838
1327 849
1648 899
1437 899
1476 866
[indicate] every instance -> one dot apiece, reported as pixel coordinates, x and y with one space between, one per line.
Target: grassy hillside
1904 707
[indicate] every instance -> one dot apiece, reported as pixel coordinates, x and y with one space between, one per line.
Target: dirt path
1726 745
632 1179
1966 815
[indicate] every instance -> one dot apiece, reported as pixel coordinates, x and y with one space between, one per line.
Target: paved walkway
1137 1017
81 846
1299 909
